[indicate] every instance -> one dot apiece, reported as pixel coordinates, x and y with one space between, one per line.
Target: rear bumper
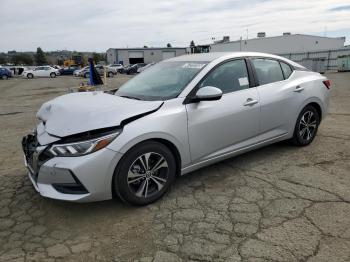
78 179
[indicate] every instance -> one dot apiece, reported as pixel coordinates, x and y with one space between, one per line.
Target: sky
91 25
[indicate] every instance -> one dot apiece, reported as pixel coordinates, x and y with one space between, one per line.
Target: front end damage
76 178
67 155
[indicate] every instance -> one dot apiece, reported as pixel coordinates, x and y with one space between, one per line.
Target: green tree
22 59
3 59
98 57
192 46
40 57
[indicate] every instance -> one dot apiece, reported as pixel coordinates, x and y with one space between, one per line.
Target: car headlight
83 147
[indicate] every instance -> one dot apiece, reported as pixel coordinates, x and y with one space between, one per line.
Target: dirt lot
279 203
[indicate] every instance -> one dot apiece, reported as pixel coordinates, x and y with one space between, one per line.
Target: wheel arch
166 142
316 103
317 107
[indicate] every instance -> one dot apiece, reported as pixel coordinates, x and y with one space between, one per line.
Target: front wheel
86 75
145 173
4 77
52 75
110 74
306 126
30 76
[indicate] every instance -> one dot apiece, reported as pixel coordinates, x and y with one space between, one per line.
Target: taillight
327 83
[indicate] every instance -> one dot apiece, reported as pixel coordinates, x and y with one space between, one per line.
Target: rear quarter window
287 70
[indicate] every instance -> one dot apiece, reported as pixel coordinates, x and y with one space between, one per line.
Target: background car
85 72
132 69
78 71
115 67
68 70
5 73
41 71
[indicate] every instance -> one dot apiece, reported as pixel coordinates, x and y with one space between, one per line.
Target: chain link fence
330 57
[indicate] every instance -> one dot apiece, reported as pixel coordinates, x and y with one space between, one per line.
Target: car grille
34 159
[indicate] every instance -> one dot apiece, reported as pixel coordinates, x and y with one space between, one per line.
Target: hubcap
307 125
148 174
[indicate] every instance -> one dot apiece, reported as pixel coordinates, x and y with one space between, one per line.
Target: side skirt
236 152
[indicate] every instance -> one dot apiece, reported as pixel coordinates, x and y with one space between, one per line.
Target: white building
284 44
128 56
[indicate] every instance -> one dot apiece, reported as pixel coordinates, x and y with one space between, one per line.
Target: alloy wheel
148 175
307 126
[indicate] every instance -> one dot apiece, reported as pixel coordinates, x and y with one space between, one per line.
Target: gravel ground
279 203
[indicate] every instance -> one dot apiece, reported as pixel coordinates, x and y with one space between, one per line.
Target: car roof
209 57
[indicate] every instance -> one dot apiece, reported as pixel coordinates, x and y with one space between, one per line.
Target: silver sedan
179 115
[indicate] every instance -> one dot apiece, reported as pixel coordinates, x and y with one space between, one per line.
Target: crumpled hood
80 112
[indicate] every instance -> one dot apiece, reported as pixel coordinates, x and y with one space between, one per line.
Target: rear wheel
145 173
30 75
4 77
52 75
86 75
306 126
110 74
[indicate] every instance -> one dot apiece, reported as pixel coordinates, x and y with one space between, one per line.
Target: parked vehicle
85 72
68 70
56 67
141 69
132 69
115 67
78 71
179 115
41 71
5 73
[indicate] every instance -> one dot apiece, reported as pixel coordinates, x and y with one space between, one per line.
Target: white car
115 67
41 71
78 72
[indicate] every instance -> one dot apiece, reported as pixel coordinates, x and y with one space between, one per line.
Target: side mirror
208 93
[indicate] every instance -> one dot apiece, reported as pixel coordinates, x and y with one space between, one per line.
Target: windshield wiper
131 97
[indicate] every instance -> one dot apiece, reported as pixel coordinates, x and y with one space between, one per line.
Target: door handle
298 89
250 102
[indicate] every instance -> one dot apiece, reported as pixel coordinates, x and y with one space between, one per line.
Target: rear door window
267 70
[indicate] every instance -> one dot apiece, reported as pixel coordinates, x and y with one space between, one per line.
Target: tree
192 46
145 46
40 57
22 59
3 59
168 45
98 57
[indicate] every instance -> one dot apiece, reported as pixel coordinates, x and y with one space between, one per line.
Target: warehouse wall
282 44
150 55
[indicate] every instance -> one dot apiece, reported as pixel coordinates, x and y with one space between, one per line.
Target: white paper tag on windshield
243 81
193 65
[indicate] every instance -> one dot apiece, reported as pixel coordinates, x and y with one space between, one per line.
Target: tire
52 75
86 75
30 76
110 74
135 186
306 126
4 77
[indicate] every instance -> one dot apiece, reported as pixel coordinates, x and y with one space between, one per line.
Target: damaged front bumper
81 179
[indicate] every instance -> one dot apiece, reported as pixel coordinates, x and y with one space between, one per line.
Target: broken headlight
83 147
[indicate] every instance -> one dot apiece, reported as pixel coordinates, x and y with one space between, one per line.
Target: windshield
162 81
